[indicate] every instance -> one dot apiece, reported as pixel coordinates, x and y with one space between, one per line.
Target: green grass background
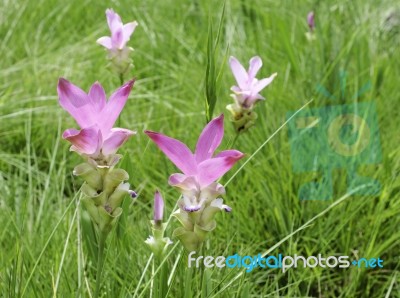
43 252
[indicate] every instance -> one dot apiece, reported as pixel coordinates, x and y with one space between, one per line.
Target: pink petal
236 89
210 139
128 29
105 41
252 99
176 151
97 96
86 141
255 65
115 140
113 20
229 153
114 106
261 84
76 102
185 183
239 72
117 39
212 169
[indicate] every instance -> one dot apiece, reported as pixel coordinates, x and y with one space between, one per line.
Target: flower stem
188 284
100 262
164 280
235 139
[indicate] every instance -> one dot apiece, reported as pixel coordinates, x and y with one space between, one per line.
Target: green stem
188 282
162 279
100 262
235 139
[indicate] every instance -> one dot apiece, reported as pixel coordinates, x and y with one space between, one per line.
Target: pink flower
95 116
246 93
120 33
200 170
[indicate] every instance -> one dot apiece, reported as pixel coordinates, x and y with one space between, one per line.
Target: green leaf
212 76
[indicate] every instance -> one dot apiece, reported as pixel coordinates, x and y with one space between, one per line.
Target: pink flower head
201 169
248 87
95 116
311 20
120 33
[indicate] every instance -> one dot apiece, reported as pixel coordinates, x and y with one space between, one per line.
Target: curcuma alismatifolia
97 142
197 182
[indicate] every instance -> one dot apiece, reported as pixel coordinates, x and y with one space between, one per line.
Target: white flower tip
109 10
103 167
150 240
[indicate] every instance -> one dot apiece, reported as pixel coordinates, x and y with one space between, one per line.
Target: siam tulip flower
116 44
158 243
201 169
197 182
246 93
96 139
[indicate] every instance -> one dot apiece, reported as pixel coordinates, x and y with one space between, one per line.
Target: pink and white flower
247 91
120 33
96 117
200 170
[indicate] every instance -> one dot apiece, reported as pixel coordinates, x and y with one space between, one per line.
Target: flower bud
311 20
158 207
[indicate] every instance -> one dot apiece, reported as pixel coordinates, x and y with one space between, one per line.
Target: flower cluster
197 182
118 51
246 93
97 141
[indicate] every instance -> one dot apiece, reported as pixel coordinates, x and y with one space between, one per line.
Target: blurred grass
43 40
